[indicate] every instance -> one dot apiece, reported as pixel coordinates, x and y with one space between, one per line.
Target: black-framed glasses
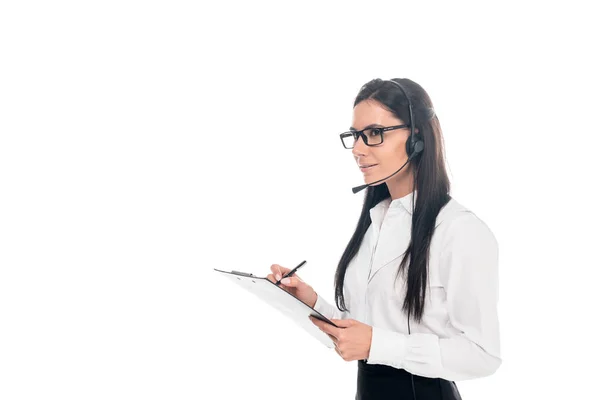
371 136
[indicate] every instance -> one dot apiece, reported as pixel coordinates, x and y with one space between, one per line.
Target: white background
143 144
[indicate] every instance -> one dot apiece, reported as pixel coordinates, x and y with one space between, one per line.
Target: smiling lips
366 166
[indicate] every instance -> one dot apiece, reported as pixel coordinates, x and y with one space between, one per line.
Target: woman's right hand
296 286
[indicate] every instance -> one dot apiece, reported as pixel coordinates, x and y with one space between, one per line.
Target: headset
414 144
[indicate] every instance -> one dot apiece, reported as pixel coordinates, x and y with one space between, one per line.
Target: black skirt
382 382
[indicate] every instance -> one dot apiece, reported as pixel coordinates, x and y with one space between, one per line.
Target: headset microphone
417 149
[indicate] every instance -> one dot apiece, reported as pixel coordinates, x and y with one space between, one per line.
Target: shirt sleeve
329 310
469 266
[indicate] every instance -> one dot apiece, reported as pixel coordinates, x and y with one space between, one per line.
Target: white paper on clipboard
280 299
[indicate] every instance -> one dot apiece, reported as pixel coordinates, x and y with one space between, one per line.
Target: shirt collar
404 202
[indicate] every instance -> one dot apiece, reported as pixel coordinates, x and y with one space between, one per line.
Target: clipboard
288 304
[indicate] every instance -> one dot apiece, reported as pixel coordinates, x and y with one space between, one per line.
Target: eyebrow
368 126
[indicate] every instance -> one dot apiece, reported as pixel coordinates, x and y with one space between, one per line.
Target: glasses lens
348 140
373 136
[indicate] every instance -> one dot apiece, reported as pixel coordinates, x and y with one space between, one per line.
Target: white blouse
458 337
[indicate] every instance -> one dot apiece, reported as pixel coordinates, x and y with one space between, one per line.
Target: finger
343 323
272 278
291 281
275 270
325 327
338 351
333 339
317 321
328 329
320 324
278 270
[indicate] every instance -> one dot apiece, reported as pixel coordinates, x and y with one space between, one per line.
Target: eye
374 131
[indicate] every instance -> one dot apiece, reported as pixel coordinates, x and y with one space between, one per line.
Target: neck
400 188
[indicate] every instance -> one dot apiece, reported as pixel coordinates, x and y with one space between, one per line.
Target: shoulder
457 223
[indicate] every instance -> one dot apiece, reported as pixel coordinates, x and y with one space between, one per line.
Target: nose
360 148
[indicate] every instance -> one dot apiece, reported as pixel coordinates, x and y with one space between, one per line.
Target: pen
291 272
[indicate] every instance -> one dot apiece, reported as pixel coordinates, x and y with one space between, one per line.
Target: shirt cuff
324 308
387 348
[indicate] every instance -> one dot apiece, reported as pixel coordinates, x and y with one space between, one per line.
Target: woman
417 287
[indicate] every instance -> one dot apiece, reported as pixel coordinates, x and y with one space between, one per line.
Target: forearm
455 358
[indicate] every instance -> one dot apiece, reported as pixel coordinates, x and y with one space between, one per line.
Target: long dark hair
430 182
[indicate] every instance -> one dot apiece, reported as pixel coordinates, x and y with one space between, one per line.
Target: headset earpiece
415 145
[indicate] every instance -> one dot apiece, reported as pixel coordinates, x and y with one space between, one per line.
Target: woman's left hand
352 339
